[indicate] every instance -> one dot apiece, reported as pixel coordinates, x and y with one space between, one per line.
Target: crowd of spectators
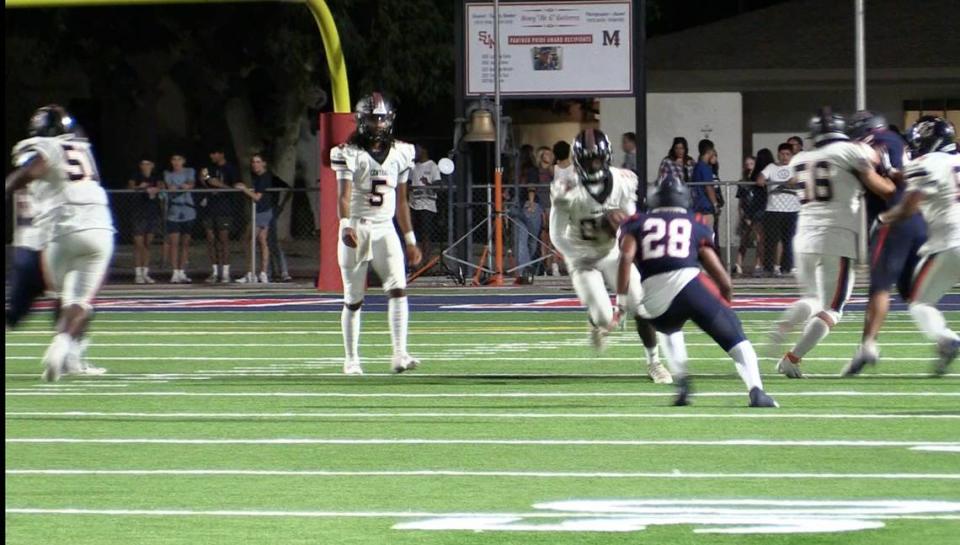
170 203
768 199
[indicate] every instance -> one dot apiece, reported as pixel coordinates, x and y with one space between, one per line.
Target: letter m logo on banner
611 38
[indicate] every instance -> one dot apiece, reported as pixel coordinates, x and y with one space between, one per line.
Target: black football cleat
759 398
683 392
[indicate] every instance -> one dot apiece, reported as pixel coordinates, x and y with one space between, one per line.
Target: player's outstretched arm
34 168
907 208
711 263
406 226
628 251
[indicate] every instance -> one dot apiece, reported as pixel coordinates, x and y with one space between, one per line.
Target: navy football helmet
864 122
827 125
51 120
592 154
932 133
375 115
670 193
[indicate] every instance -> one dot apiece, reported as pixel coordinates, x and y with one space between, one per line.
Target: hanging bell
481 127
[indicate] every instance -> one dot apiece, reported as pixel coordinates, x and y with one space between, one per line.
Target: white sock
350 326
653 354
139 271
675 349
745 358
399 314
215 270
816 331
931 322
146 271
226 271
798 313
869 347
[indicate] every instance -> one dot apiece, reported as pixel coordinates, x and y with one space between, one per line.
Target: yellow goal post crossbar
321 12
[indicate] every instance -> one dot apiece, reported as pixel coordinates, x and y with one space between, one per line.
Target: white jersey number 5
676 233
79 164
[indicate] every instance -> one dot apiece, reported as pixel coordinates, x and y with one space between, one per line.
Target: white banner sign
552 48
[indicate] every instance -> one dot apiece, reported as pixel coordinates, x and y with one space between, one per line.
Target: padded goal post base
334 130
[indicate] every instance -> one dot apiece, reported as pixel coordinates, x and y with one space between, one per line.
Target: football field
236 426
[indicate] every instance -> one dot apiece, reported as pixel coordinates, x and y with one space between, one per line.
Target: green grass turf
274 375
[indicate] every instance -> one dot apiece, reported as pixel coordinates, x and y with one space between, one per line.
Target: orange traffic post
497 279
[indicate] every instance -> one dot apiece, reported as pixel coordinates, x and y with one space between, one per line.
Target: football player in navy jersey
894 249
668 247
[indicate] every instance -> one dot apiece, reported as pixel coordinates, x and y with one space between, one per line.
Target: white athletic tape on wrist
411 238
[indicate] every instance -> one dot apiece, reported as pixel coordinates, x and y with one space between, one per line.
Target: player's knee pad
353 306
398 292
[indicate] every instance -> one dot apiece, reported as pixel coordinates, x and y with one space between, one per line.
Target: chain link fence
753 225
214 227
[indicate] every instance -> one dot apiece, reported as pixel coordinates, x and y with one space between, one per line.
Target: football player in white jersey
933 188
372 170
588 206
75 213
26 282
833 176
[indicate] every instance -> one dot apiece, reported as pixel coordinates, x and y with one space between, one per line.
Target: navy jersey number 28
667 241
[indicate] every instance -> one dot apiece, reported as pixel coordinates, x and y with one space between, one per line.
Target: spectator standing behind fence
753 202
677 164
545 164
703 195
147 215
217 212
278 260
181 213
423 203
262 181
783 207
563 168
628 144
796 143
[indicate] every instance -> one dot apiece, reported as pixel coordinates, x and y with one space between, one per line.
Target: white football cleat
352 367
404 362
263 278
788 368
659 373
54 359
598 338
76 361
212 279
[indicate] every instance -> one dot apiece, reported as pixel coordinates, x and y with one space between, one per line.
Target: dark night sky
664 16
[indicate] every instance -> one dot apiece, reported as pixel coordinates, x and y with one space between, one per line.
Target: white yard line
506 395
487 346
486 442
532 329
446 359
485 415
478 473
233 513
938 448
